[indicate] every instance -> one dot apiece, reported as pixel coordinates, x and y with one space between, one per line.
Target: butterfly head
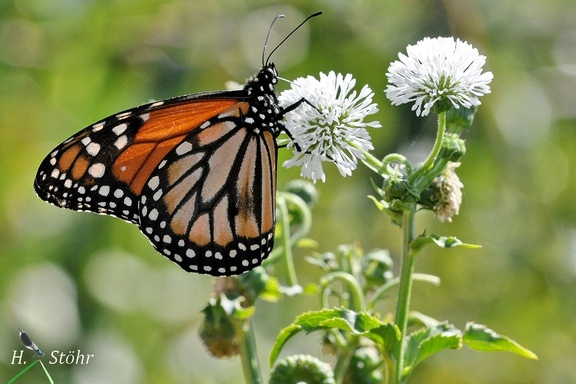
267 75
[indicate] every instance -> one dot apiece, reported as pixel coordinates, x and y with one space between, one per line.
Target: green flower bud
377 267
301 369
453 147
398 188
459 119
218 332
443 105
305 190
364 367
252 284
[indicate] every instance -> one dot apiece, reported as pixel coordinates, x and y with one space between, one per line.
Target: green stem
249 357
417 277
356 300
286 241
403 305
47 374
344 359
22 371
371 161
429 162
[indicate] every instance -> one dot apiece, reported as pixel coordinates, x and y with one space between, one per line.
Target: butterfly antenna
268 36
286 38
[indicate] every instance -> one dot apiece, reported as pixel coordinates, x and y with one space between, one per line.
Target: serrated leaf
442 241
428 341
481 338
358 323
284 335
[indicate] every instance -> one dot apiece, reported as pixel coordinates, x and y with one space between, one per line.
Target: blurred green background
83 282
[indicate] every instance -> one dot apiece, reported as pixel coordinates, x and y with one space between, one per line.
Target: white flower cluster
435 70
330 125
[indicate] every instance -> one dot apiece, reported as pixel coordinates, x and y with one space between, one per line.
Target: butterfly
196 173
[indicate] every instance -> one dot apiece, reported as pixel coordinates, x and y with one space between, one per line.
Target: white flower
440 72
330 125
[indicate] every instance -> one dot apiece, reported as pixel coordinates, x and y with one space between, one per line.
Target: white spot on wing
184 148
121 142
154 182
104 190
97 170
119 129
93 149
156 104
123 115
153 214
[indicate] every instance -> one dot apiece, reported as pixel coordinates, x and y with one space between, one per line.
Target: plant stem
403 305
286 242
249 356
344 359
429 162
416 277
356 300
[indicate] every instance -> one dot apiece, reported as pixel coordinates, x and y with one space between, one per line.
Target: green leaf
482 338
284 335
379 204
357 323
272 291
386 335
442 241
428 341
307 243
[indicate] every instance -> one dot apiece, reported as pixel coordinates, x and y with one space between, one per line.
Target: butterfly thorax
264 112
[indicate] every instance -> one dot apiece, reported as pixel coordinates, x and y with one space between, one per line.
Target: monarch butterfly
196 173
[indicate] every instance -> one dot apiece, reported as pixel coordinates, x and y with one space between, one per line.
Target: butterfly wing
196 173
103 168
209 205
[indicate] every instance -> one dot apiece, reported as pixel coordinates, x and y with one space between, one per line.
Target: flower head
301 369
438 73
330 125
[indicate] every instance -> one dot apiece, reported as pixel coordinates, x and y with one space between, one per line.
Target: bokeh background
84 282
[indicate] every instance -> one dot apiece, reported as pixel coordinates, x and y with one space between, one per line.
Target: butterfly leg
295 105
291 108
